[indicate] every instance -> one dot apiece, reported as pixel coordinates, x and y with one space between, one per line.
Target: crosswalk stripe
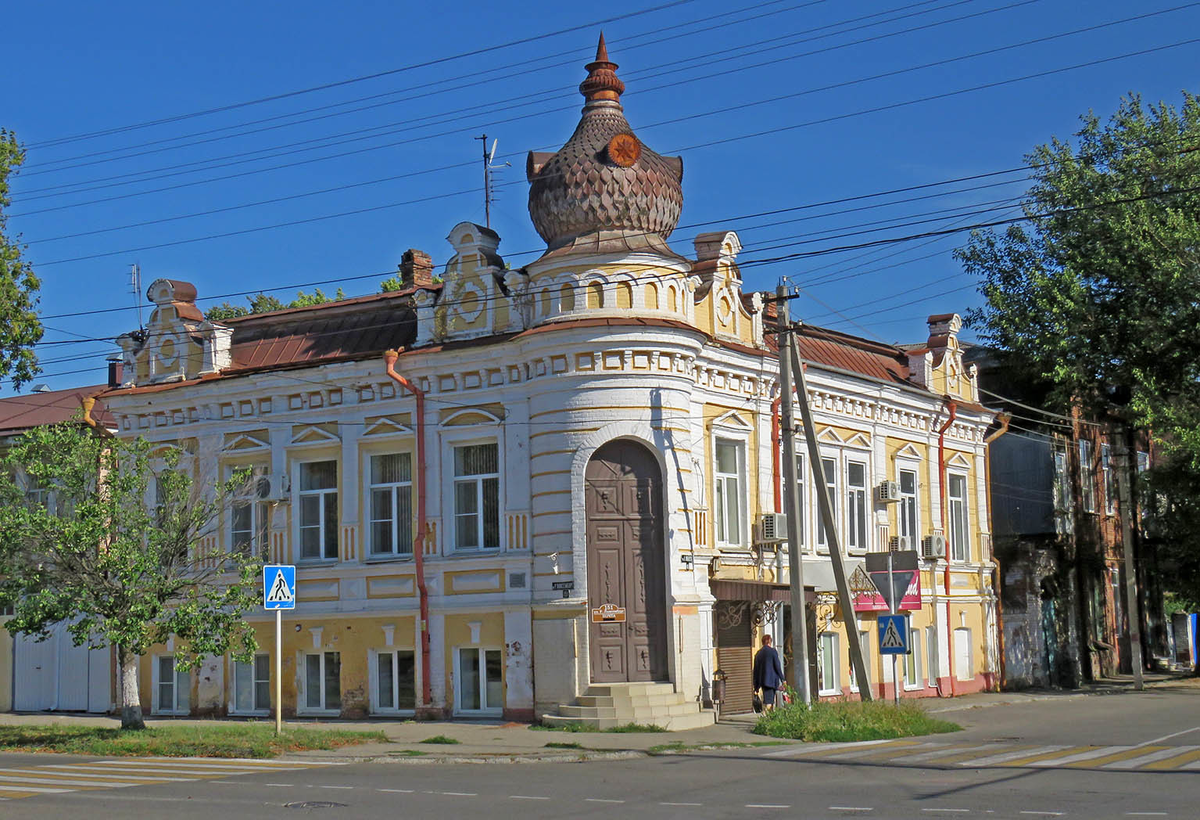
895 752
192 764
898 745
1078 756
33 790
58 781
1050 757
983 751
90 771
945 751
1175 762
809 751
1162 754
994 760
1119 753
188 774
254 761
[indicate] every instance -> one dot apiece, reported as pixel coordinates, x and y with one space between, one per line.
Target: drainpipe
88 403
419 548
775 445
953 408
1004 419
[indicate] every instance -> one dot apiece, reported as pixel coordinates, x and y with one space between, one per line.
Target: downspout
88 403
775 458
419 548
952 406
1004 419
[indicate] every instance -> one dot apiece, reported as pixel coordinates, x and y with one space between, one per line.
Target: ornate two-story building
536 492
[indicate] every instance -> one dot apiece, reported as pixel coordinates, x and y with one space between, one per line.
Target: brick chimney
416 269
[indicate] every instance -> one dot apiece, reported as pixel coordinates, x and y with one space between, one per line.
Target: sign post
279 593
893 573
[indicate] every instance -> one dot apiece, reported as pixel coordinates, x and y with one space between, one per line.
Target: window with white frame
322 682
827 664
931 654
1063 523
1087 476
912 661
249 515
960 540
864 640
829 468
480 681
801 501
477 497
252 685
856 505
910 534
391 504
1109 478
172 687
318 501
728 495
394 678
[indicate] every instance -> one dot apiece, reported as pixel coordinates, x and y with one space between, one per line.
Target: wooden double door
626 565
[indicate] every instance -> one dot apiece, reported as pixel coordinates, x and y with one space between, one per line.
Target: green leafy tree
317 297
226 311
262 303
105 534
20 327
391 284
1096 295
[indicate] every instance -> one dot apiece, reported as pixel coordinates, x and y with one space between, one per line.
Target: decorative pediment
960 461
909 451
732 420
830 436
386 427
314 435
244 442
860 441
474 415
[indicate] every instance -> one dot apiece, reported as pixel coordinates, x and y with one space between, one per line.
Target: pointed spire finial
602 82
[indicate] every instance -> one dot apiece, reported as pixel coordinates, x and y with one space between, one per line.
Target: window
864 640
800 501
323 681
6 610
931 654
318 510
172 686
1087 476
252 685
829 468
960 541
249 517
476 497
728 493
910 536
827 664
480 680
395 680
1109 478
1143 461
1063 523
912 661
856 505
391 504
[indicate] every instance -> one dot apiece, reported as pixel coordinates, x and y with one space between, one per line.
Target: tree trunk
131 701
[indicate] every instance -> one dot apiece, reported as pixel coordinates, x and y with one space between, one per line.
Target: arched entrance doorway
627 593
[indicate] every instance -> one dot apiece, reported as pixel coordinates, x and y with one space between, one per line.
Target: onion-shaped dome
603 178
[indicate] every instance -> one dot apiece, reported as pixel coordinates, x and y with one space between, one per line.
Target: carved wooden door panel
625 554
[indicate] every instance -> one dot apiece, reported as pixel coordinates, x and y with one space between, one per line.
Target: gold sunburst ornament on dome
624 150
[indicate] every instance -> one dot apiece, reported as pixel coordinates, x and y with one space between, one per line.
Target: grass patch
586 728
676 746
556 744
840 722
407 753
202 740
441 739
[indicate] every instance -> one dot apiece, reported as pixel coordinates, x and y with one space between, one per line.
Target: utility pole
791 503
835 549
1133 612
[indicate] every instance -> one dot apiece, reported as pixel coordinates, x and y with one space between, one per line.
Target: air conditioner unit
933 546
889 491
898 542
772 527
273 487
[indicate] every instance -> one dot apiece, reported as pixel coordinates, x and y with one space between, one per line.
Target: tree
1096 296
262 303
110 543
20 327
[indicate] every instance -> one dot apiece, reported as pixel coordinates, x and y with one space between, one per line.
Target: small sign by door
608 613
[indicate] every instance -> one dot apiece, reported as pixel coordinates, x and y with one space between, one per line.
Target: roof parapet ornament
602 83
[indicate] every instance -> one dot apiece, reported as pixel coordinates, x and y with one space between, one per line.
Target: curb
581 756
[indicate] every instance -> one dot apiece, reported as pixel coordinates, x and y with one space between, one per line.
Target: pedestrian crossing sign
279 586
893 634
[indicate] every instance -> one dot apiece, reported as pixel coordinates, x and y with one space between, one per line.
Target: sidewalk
495 741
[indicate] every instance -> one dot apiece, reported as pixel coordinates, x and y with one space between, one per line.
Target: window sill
316 562
474 552
387 558
393 712
916 688
319 712
830 693
255 713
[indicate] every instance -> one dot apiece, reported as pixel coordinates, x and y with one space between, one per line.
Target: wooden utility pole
835 549
1133 612
791 502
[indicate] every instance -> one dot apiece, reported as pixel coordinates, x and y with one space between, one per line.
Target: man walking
768 673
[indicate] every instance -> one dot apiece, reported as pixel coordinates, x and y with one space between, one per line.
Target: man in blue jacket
768 673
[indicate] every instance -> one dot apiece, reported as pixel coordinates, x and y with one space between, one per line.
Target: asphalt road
759 782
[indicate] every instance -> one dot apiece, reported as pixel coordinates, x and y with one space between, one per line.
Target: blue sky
701 77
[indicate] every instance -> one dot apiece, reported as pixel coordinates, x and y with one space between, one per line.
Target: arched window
595 295
624 295
652 296
566 298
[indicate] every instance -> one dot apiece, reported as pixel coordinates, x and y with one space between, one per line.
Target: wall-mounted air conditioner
899 542
772 527
273 487
889 491
933 546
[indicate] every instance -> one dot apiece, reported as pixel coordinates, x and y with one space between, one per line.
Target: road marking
319 787
1153 757
896 745
600 800
1121 753
1145 814
1168 737
281 785
34 789
681 804
101 775
806 750
949 811
944 751
1174 762
396 791
993 760
55 781
766 806
1045 813
851 808
526 797
460 794
1077 757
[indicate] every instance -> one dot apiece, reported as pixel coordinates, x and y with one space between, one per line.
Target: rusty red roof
852 353
20 413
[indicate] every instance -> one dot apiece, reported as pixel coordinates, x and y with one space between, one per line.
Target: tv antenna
135 287
489 168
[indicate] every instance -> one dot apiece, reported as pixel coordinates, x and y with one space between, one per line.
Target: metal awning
728 590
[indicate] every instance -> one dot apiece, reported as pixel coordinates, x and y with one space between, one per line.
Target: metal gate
735 656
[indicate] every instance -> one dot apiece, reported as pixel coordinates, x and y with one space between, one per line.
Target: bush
839 722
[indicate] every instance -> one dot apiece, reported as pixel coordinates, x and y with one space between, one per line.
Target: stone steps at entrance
609 705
